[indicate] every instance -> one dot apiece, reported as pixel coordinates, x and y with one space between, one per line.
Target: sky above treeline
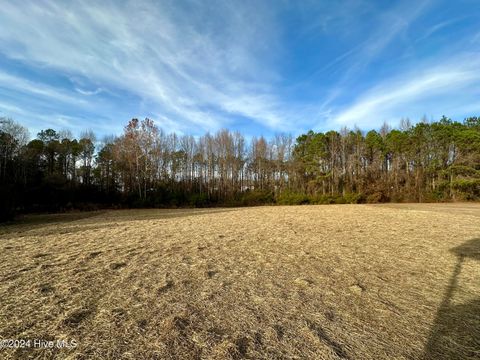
260 67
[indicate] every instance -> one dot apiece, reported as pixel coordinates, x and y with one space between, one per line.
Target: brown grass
307 282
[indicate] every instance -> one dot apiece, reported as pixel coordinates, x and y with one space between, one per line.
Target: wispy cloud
34 88
437 27
36 121
476 38
151 50
390 25
89 92
200 66
406 95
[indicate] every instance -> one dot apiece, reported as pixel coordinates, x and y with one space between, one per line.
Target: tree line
147 167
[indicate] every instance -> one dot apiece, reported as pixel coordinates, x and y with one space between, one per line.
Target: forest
147 167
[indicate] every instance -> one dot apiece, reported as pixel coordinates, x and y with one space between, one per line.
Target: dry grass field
299 282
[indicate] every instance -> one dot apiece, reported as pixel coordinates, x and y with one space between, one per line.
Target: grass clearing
318 282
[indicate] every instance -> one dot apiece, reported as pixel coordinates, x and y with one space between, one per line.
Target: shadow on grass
40 219
456 331
105 218
159 214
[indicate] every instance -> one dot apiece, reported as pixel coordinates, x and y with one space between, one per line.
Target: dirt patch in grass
315 282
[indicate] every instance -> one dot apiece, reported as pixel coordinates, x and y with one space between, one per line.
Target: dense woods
147 167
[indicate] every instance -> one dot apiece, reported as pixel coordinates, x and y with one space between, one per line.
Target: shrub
354 198
253 198
291 198
398 197
324 199
87 206
7 203
471 186
377 197
434 196
198 200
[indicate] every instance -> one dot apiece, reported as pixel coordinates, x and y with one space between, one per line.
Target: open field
316 282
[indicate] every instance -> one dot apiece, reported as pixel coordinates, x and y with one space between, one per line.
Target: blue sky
261 67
